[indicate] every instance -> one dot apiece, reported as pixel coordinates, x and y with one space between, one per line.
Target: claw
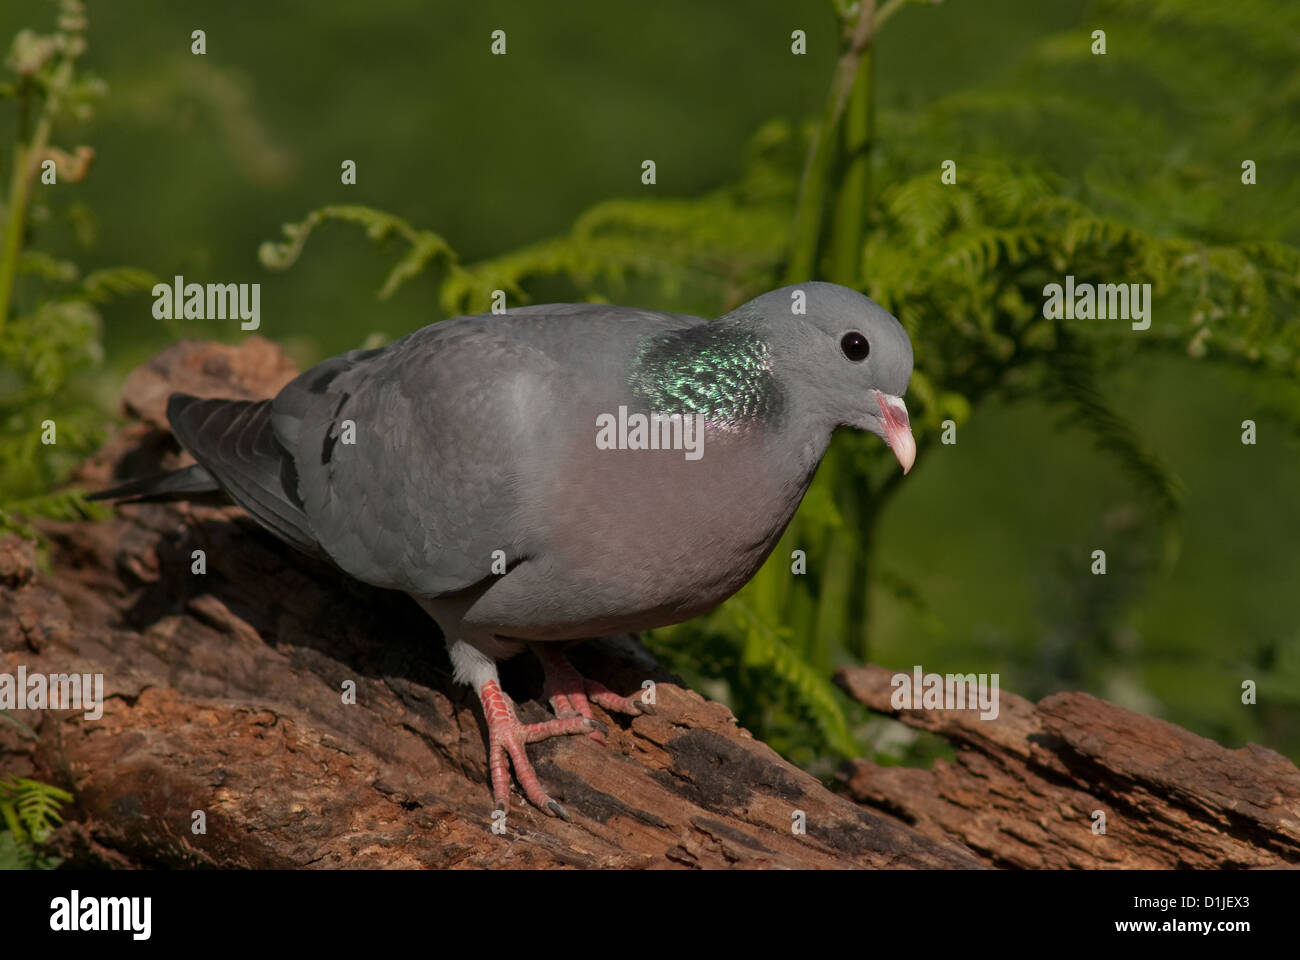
558 811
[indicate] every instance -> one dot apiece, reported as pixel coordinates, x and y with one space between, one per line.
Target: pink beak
898 431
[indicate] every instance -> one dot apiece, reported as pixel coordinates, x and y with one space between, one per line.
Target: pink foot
506 739
571 694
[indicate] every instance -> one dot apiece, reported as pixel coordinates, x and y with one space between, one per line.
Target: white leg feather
470 664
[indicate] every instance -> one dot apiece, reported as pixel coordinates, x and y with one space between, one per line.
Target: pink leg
506 739
570 692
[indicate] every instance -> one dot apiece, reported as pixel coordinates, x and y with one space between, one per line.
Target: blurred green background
981 559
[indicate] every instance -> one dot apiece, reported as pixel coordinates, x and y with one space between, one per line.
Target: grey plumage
420 465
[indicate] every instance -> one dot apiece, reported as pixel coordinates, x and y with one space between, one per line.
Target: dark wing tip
176 404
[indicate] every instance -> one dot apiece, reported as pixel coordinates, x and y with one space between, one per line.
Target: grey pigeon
556 472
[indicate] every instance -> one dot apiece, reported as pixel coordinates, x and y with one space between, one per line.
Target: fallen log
1029 788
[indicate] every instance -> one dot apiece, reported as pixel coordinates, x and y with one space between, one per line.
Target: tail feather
234 441
174 485
239 456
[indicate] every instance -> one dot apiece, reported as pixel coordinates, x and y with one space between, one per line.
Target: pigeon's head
852 358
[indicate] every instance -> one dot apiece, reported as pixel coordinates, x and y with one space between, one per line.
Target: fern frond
426 247
22 854
1075 384
714 242
101 285
40 264
60 505
1268 26
764 646
31 809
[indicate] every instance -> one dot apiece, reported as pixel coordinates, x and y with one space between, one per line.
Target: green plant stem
838 573
847 132
20 182
821 154
844 590
850 212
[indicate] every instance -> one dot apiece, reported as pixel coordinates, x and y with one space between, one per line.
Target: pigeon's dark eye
855 346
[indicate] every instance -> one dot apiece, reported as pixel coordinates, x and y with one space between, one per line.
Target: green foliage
427 248
68 504
773 679
49 324
723 245
30 811
49 340
720 240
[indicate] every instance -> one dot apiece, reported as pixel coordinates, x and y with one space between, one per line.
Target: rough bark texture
1024 787
225 695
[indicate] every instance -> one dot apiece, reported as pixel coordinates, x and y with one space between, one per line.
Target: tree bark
1026 787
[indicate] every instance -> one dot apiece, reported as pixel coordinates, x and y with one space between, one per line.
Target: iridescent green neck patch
722 370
